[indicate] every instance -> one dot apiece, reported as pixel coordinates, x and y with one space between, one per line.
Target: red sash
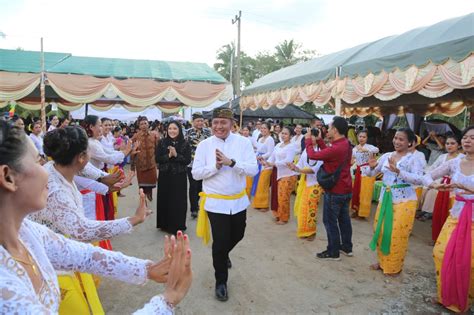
357 187
456 267
274 190
441 210
99 214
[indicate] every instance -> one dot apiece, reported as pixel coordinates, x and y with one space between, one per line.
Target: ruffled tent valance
138 92
449 109
100 106
15 86
430 81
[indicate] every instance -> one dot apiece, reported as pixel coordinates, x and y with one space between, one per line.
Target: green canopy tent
426 63
71 82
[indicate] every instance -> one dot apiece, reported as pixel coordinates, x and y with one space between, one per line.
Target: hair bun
62 145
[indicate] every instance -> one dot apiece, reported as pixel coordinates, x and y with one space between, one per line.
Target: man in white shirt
223 162
256 132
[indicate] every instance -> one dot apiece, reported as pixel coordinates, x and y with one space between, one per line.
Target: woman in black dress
173 155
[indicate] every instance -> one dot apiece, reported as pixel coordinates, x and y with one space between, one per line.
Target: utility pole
237 74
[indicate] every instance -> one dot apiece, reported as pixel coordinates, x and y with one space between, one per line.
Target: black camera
314 131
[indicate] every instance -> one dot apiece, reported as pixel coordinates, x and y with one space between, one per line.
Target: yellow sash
202 228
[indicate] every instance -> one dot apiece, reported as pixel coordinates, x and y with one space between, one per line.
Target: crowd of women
449 195
82 177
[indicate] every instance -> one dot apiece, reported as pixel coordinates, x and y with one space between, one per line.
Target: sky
195 30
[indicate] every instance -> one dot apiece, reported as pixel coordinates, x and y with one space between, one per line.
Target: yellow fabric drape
203 227
299 193
79 295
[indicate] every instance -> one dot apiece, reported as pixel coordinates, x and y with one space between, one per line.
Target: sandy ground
276 273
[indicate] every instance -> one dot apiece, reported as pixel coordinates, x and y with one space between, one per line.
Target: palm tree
225 60
287 53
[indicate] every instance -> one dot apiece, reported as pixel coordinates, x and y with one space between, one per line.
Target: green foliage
459 121
286 53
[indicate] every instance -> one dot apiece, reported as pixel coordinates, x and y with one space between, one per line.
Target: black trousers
195 187
227 231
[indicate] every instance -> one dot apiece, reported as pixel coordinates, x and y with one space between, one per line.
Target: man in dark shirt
194 136
336 200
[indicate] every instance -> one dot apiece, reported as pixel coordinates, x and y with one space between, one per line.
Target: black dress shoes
229 263
221 292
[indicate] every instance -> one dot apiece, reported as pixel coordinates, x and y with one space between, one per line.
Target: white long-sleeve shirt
452 168
283 154
89 199
411 172
38 142
265 147
108 141
311 179
227 180
64 212
52 252
92 172
101 155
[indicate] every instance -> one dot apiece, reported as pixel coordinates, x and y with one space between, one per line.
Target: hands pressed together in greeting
222 159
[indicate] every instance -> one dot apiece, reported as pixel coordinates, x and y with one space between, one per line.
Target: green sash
385 218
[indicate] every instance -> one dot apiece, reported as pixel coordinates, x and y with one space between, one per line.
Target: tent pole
42 91
87 110
338 108
241 117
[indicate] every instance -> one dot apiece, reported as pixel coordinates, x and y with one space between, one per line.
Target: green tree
286 53
226 65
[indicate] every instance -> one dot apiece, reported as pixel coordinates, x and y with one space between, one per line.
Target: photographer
334 176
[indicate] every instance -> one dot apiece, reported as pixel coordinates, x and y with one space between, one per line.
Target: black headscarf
179 139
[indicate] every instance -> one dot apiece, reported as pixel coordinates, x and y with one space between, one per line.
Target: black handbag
328 180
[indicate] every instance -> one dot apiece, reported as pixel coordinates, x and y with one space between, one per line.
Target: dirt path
276 273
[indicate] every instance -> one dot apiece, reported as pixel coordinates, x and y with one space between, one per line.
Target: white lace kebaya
64 212
411 172
50 252
101 155
452 168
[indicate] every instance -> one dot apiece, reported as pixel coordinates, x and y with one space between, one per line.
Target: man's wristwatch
232 164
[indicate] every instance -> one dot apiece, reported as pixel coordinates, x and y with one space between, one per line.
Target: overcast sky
194 30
